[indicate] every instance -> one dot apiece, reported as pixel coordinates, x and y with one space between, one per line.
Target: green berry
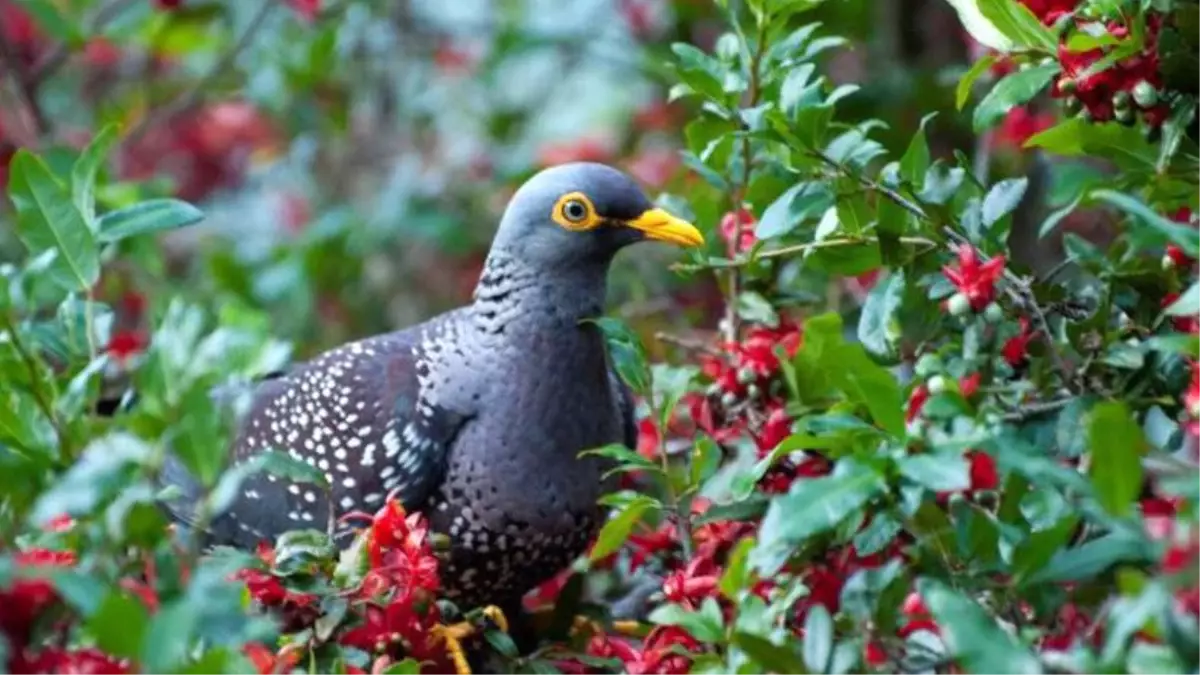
1120 100
994 313
958 305
746 376
753 392
728 399
1067 84
1072 105
1126 116
936 385
1145 95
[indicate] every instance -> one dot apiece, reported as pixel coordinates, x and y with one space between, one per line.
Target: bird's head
580 213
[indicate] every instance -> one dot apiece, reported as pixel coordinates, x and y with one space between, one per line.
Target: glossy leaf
1116 444
48 220
972 637
1014 90
155 215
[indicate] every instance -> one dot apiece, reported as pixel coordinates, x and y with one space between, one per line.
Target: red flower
777 427
298 610
397 630
645 545
266 662
654 166
400 554
1175 257
1016 348
1020 125
547 594
89 661
690 585
647 443
976 281
969 385
983 471
582 150
168 5
1049 10
737 229
449 59
874 654
661 652
101 53
27 598
916 401
307 9
126 344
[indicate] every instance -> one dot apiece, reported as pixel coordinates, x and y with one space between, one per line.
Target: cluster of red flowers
395 601
1130 86
665 650
29 600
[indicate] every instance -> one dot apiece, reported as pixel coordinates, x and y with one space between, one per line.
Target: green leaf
818 639
1187 238
1188 304
1035 552
1003 199
51 20
404 667
962 92
1057 217
915 161
166 643
1116 443
47 220
119 624
614 533
154 215
825 355
283 465
706 624
1093 558
1015 89
879 322
810 508
83 173
799 203
753 307
971 636
772 657
737 569
941 183
1122 145
1019 24
939 473
628 354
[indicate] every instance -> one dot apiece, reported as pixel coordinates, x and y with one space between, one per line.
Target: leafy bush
974 467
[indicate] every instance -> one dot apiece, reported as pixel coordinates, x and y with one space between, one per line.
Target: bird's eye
575 210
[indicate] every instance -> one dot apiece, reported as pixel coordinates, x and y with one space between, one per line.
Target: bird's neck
513 296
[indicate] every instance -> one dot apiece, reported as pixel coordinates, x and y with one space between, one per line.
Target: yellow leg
454 634
584 624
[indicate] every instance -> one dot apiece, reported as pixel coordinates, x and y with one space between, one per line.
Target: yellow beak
660 225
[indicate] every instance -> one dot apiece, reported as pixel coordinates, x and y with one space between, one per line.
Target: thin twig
687 343
56 57
799 248
44 403
192 95
25 90
1037 408
1017 288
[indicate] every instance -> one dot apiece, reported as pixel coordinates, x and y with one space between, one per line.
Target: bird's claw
454 634
586 624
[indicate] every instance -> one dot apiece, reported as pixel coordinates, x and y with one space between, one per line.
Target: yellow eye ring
575 212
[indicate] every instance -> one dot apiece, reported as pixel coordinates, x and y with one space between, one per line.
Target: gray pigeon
476 417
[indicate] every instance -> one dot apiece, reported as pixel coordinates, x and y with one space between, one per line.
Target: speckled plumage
475 417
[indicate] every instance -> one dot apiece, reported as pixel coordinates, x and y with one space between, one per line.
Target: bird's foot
454 634
585 624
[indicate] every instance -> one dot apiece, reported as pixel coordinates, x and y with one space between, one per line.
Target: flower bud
958 304
1125 116
753 392
994 313
746 375
1145 95
728 399
713 390
1068 85
915 428
1120 100
937 385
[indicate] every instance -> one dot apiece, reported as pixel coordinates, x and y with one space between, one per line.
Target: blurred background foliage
353 157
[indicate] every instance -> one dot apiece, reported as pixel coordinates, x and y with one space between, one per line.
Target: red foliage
1020 125
1016 349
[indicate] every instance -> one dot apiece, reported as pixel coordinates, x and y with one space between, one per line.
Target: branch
799 248
25 89
1018 289
191 96
686 343
56 57
1037 408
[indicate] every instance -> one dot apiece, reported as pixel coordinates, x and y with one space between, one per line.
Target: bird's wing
355 415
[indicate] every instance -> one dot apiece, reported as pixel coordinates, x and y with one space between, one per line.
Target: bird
477 417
